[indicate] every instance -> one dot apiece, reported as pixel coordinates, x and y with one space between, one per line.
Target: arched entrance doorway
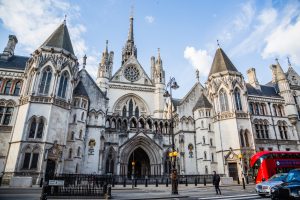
141 163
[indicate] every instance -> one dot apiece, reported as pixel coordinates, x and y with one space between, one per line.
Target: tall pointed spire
130 33
129 48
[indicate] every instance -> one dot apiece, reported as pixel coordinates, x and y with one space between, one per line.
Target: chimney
10 47
252 78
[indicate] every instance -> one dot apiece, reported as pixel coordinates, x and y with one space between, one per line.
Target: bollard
146 183
124 183
167 183
238 181
41 182
156 183
135 183
44 193
195 181
105 189
132 183
204 181
108 195
243 180
186 183
247 180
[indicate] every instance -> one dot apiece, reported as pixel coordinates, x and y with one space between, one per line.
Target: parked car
264 188
289 189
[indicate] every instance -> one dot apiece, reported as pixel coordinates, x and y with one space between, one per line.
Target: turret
10 47
159 82
252 78
105 69
279 79
158 72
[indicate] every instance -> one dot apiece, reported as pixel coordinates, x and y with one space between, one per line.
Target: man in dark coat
216 182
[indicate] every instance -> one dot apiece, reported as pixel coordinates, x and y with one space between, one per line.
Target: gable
98 99
131 72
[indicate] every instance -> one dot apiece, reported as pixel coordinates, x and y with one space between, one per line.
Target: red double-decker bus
267 163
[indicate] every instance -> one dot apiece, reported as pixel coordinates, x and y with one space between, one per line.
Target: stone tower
40 132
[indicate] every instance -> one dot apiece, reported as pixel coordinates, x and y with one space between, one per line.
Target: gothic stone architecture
55 118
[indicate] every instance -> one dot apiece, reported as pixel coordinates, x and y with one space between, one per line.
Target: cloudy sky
252 33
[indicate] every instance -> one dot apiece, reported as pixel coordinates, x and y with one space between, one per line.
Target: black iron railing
77 185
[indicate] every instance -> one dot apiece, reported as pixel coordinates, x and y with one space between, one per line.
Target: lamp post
172 84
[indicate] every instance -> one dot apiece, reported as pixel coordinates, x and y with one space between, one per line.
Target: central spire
129 48
130 33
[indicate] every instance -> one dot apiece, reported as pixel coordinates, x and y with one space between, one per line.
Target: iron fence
72 185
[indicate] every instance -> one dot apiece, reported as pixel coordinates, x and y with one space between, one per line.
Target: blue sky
252 33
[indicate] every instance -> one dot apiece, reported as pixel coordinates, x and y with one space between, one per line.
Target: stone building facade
55 118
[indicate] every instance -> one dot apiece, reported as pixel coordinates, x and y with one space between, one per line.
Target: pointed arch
237 98
223 100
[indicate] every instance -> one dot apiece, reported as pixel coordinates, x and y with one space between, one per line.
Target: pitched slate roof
202 103
221 63
60 38
14 62
80 90
266 90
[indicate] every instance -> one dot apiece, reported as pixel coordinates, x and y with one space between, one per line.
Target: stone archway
141 166
142 145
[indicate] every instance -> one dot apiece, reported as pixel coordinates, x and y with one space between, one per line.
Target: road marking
232 197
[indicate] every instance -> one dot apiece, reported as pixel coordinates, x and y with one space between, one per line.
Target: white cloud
282 41
245 17
199 59
149 19
32 21
266 20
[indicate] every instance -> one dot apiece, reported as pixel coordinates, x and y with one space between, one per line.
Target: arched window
206 170
72 135
282 130
211 141
223 100
63 83
17 88
275 110
238 102
251 108
40 129
32 128
247 139
70 153
45 81
137 112
130 108
242 139
36 128
78 152
202 124
80 134
203 139
74 118
205 155
7 87
124 111
212 157
8 115
82 116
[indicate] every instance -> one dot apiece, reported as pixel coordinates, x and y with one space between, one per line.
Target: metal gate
70 185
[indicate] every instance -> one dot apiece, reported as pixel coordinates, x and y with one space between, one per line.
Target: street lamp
172 84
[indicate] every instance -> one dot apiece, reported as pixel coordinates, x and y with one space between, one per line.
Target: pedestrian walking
216 182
